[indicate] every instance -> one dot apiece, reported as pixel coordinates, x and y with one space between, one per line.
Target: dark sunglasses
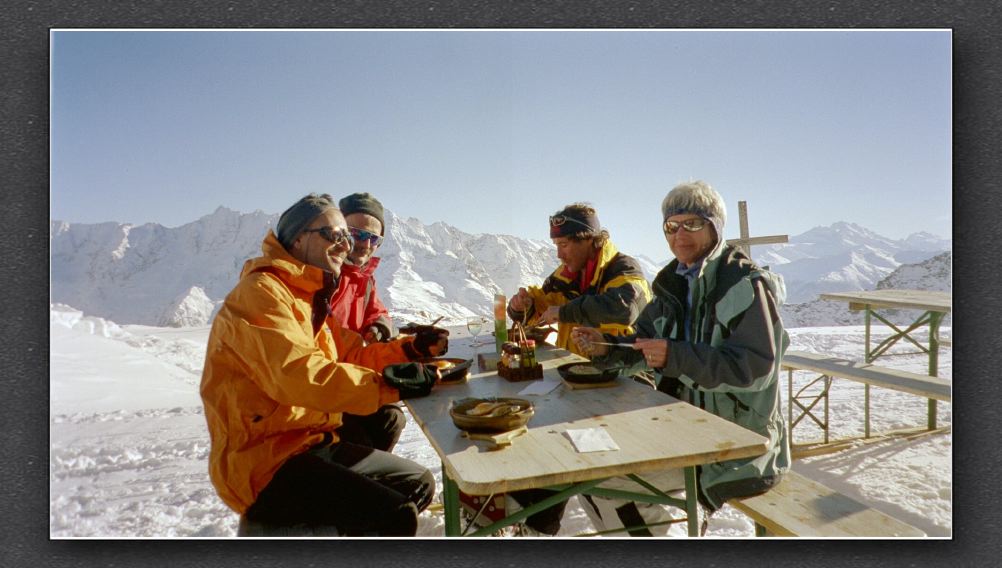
360 235
557 220
691 225
337 237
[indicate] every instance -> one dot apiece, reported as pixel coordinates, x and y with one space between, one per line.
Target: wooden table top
892 298
653 431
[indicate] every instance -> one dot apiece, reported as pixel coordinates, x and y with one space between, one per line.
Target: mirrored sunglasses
337 237
691 225
360 235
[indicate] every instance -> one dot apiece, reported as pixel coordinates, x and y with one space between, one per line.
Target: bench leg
760 530
866 411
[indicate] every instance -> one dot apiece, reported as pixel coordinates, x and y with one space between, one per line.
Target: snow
129 446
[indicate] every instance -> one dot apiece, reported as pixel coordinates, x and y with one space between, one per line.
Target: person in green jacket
714 338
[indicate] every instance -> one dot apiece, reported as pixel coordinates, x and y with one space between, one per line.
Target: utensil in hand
629 345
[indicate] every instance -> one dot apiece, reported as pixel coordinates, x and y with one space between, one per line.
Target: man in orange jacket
280 372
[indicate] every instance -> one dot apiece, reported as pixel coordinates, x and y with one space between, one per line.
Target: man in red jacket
357 307
356 303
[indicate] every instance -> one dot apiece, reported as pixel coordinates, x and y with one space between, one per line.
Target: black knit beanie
300 215
363 203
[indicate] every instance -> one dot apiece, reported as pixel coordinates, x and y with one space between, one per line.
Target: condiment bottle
500 322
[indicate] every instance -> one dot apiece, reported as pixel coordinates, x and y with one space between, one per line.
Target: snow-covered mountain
153 275
843 257
934 274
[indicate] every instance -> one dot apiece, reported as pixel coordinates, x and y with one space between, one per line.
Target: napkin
591 440
544 386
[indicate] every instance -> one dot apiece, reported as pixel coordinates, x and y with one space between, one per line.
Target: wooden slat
805 508
904 381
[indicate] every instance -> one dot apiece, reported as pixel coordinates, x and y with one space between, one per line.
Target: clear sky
492 131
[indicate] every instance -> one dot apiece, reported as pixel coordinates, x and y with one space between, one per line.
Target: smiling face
689 247
311 247
363 249
575 254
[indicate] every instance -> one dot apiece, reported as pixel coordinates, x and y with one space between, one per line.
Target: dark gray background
24 124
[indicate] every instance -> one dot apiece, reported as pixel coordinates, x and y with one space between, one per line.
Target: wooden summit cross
745 242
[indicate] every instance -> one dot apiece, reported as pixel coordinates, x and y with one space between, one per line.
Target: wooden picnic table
933 307
653 431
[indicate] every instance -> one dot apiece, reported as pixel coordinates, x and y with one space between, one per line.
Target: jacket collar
292 271
367 270
605 256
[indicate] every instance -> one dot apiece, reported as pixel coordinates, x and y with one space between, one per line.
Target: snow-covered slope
935 274
154 275
842 257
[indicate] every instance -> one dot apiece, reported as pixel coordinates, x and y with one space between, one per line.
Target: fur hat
300 215
697 198
363 203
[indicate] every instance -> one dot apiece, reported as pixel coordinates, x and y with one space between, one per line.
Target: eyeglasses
360 235
557 220
691 225
339 237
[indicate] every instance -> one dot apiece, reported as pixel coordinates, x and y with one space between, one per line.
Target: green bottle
500 322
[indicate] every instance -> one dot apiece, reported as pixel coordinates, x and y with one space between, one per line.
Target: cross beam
745 242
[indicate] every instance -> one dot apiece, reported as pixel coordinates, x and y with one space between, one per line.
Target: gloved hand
413 380
429 341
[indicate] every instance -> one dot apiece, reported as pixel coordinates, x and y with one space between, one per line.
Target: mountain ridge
153 275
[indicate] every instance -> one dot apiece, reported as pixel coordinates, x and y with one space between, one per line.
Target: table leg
866 388
450 504
935 318
691 503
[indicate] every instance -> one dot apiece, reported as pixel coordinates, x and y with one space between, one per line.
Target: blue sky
492 131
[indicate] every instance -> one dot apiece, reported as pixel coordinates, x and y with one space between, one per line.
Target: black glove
413 380
426 337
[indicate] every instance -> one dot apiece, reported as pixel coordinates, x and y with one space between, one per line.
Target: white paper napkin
544 386
591 440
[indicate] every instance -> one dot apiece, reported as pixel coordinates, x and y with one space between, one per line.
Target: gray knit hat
697 198
363 203
300 215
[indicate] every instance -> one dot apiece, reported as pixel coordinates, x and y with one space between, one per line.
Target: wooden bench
805 508
932 388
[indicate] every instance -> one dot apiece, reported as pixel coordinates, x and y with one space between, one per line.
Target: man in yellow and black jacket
595 284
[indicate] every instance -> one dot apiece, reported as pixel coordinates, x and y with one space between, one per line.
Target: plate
572 373
493 414
456 373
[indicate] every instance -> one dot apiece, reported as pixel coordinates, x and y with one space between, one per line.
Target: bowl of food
451 370
587 373
492 414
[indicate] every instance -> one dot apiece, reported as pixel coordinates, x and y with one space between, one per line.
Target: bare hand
551 315
521 301
655 351
584 338
371 334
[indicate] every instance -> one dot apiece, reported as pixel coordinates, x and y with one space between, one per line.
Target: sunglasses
691 225
557 220
339 237
360 235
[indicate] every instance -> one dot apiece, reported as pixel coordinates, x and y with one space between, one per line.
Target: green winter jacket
731 365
